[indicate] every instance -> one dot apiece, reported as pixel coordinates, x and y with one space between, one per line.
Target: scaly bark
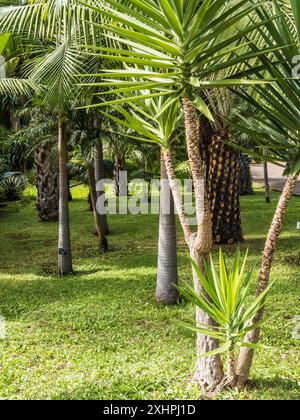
99 176
64 240
245 358
103 244
246 179
46 183
223 191
209 371
167 272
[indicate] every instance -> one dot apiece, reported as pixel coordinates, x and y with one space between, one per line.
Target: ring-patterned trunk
64 241
46 183
167 272
100 175
223 191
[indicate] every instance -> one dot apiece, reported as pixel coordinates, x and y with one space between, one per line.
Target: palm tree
99 176
167 270
146 122
224 172
172 48
275 129
62 28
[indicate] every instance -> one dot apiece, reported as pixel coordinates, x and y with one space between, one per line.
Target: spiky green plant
225 300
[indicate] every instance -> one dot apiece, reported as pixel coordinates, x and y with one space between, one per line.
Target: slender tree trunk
46 183
246 179
167 273
119 166
103 244
231 373
223 191
267 184
209 371
64 241
246 355
99 176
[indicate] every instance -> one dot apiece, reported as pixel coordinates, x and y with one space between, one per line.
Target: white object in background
2 328
298 226
2 67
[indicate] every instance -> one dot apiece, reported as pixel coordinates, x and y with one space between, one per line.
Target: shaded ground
100 334
276 179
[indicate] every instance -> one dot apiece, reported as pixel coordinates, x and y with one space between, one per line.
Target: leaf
224 349
202 107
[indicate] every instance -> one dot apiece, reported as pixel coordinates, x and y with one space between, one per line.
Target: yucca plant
225 300
12 187
270 117
171 49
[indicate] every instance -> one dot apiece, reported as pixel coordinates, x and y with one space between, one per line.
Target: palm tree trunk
64 241
245 358
119 166
246 179
46 183
99 176
223 191
209 371
103 244
167 272
267 184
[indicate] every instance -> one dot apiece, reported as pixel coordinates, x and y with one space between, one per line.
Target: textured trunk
103 245
267 184
246 355
246 180
99 176
64 241
223 191
209 371
46 183
119 166
231 373
167 273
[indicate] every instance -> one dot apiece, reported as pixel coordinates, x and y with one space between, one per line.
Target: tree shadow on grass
275 388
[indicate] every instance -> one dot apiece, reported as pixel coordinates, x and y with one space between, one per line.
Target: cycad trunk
103 245
99 176
64 241
209 371
246 179
167 273
46 183
246 355
223 191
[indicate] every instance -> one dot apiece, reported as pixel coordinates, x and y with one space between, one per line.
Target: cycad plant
225 299
170 48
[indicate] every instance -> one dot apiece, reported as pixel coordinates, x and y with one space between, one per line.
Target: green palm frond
18 87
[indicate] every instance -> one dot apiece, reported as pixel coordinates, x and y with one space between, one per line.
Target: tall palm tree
62 28
171 49
99 176
148 122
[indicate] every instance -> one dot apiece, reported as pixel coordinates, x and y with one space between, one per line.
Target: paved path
277 181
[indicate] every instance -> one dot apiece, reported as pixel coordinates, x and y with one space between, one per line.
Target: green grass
100 334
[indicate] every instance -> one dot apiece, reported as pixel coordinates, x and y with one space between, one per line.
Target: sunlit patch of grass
99 334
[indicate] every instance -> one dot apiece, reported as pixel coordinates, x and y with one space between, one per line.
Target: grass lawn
100 334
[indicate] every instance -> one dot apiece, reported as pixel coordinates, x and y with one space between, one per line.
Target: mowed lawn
100 334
